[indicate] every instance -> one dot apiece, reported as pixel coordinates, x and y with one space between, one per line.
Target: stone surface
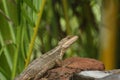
115 75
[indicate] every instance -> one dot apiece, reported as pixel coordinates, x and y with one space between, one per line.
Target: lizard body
47 61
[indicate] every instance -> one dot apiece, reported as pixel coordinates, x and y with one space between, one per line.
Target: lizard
40 65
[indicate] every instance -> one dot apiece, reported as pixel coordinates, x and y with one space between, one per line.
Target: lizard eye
64 40
69 37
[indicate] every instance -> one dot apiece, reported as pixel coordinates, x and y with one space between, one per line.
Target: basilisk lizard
39 66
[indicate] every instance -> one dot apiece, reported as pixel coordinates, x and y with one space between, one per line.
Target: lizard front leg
57 62
41 73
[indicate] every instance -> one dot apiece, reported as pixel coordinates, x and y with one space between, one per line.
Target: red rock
71 66
83 63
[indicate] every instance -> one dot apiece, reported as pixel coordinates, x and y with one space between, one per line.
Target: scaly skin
39 66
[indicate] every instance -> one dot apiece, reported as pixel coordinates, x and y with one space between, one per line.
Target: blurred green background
29 28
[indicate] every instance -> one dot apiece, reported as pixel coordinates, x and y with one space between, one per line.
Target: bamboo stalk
35 33
65 8
108 34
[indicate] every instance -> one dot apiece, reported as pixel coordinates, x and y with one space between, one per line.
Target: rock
115 75
83 63
89 75
97 75
71 66
60 73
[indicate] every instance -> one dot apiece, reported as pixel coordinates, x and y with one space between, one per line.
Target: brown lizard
39 66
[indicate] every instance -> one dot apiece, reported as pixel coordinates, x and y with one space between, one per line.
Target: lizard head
67 41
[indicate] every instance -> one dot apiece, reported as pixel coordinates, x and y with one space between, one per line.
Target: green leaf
2 77
2 74
1 50
25 15
4 67
5 16
30 4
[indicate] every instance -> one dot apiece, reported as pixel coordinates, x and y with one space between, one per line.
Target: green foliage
18 21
